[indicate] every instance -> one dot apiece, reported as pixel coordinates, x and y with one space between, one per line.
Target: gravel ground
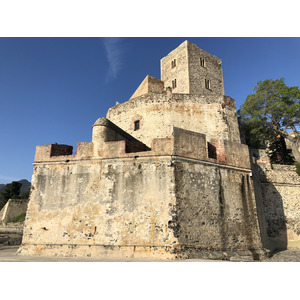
290 255
8 254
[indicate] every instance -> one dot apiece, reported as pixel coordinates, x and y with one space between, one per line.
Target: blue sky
53 89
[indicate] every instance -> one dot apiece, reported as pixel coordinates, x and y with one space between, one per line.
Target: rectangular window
212 151
202 62
173 63
207 84
174 84
137 125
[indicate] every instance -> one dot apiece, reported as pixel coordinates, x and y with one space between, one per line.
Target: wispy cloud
114 53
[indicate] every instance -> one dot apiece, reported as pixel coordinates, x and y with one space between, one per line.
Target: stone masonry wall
189 74
179 72
280 186
212 71
158 113
123 204
95 206
216 208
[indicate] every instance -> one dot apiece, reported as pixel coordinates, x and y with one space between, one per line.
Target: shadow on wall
272 219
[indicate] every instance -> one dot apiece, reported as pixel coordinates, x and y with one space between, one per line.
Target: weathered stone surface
177 204
11 235
188 72
158 114
149 85
280 185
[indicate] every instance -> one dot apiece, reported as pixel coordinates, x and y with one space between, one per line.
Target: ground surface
8 254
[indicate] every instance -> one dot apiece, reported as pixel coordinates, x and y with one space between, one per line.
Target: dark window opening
136 125
174 84
207 84
202 62
173 63
212 151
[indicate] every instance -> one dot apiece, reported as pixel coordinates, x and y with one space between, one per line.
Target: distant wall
13 208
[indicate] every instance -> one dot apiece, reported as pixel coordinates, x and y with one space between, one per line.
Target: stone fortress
165 176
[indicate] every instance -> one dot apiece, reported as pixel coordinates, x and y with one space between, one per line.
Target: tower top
191 70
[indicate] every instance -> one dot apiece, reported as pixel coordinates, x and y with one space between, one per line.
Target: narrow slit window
173 63
136 125
174 84
202 62
207 84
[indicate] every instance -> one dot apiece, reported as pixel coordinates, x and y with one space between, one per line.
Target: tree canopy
274 110
274 106
12 190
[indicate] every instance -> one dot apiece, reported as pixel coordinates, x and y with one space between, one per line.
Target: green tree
273 111
25 195
278 152
12 190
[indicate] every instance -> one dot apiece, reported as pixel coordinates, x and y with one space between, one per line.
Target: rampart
170 201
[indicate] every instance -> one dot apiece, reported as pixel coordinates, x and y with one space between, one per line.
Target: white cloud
114 51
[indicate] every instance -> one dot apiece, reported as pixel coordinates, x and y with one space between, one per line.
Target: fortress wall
99 205
280 186
140 204
216 210
158 114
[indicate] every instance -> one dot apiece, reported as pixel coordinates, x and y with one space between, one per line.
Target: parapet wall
182 142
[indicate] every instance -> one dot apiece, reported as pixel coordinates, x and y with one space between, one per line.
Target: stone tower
190 95
191 70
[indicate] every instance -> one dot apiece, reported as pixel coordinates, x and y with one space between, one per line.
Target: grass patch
297 164
20 218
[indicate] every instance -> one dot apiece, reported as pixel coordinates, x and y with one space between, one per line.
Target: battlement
183 143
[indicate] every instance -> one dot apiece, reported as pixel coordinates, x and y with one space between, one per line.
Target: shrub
19 218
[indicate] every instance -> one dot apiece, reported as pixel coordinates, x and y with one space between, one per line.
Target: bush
297 164
20 218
